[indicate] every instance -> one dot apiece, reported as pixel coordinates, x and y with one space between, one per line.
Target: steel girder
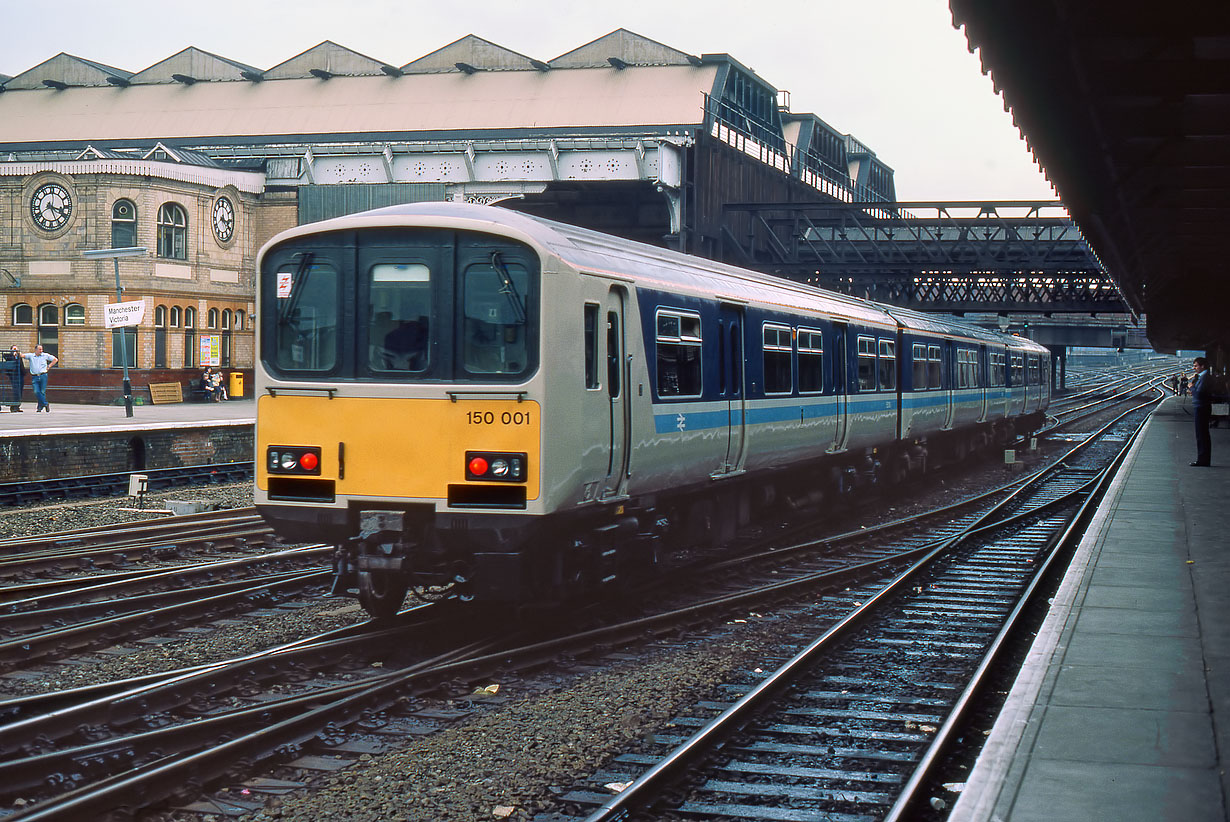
961 256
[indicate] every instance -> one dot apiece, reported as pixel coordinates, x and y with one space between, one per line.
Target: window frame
75 319
676 344
935 368
777 349
172 231
809 343
130 224
886 352
865 348
17 307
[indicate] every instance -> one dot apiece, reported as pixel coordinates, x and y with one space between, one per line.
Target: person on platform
40 364
16 375
1202 410
215 380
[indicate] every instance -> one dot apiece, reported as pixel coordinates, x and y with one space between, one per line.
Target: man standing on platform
15 365
1202 409
40 364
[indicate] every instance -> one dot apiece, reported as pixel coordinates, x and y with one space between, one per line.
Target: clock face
51 206
224 219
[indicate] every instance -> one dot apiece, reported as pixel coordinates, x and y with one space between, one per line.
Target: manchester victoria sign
123 314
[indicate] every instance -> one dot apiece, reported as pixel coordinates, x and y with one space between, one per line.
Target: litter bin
235 388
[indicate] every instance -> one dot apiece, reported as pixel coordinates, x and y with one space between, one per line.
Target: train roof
604 254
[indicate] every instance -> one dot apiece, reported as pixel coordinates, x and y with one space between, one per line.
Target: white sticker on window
286 281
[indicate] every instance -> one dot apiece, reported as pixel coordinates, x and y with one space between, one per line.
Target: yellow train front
399 411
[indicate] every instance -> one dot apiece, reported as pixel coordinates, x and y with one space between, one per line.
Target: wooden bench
163 392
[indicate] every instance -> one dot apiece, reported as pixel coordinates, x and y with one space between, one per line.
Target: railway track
851 725
845 569
105 485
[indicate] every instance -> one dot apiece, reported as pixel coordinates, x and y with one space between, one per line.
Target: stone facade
203 287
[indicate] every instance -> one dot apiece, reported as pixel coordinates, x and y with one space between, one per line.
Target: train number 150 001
503 418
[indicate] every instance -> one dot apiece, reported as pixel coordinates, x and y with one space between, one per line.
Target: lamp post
114 254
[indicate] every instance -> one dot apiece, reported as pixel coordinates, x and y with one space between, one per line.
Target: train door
949 377
981 380
730 384
841 387
617 372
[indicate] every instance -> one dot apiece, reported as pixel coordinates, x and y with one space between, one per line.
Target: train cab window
918 369
778 377
678 354
888 364
494 319
591 345
398 326
934 373
811 361
306 323
866 364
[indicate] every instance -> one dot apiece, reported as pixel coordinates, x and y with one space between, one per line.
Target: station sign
118 315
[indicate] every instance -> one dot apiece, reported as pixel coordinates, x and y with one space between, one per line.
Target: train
473 402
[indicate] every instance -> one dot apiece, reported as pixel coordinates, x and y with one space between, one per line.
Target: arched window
213 318
23 314
176 315
123 224
172 232
189 317
160 336
189 337
49 328
226 319
239 320
74 314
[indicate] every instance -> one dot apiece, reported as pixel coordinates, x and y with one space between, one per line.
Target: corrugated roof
588 100
66 71
470 51
325 60
625 46
192 65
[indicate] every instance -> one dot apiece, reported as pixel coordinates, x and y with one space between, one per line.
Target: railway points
1120 710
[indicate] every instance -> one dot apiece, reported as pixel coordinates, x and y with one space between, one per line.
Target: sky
893 73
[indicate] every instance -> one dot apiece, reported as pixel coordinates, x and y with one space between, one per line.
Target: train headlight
289 459
497 466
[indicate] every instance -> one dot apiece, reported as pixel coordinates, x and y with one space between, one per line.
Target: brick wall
70 455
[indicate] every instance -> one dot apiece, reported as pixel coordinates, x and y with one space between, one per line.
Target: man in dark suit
1202 410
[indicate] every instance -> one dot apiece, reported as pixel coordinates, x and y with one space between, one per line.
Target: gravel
510 760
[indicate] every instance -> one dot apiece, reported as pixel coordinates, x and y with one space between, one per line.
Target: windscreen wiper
508 288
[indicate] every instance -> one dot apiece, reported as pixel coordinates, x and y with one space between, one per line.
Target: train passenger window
933 367
305 335
866 364
811 362
778 377
918 360
591 345
963 368
613 336
493 338
1017 370
678 354
996 368
1035 372
888 364
398 310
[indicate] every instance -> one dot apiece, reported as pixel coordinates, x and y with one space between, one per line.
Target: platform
1122 710
65 418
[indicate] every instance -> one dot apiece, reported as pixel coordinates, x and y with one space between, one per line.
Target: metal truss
934 256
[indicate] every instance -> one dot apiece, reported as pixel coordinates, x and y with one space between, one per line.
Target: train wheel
382 594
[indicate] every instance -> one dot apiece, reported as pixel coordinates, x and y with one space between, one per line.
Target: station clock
224 219
51 206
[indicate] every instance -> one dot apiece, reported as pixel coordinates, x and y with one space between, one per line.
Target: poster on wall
211 349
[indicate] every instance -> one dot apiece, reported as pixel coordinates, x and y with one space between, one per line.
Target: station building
201 159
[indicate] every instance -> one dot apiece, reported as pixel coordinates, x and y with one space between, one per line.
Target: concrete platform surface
1122 711
65 418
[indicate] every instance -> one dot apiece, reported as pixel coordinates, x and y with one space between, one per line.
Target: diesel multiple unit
471 401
